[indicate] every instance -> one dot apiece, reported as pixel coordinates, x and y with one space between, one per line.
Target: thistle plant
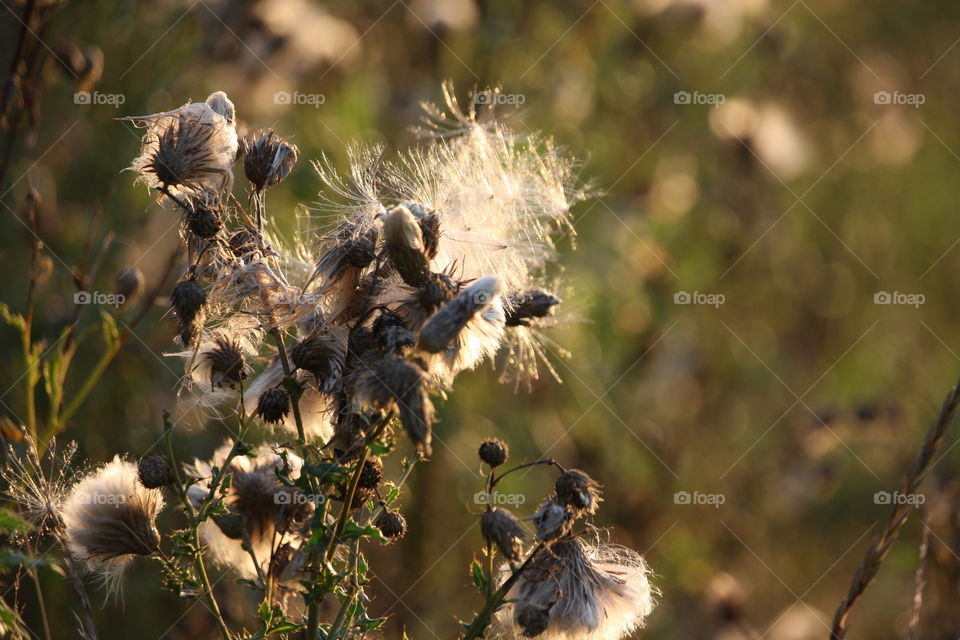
339 345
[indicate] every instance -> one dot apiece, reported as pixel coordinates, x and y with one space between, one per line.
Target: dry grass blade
919 582
899 515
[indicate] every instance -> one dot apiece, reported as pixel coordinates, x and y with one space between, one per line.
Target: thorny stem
899 515
74 572
295 397
347 505
495 600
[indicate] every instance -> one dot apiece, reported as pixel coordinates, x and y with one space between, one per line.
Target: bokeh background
742 160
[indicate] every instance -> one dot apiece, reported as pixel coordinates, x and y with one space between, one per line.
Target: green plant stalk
195 527
495 601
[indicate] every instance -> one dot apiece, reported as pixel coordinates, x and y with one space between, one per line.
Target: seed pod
534 303
204 221
372 474
404 243
322 353
494 452
502 528
269 159
187 301
442 329
129 284
154 472
274 405
391 524
578 490
395 383
225 360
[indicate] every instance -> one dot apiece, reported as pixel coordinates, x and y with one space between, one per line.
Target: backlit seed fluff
190 148
274 405
392 525
553 520
502 528
110 517
494 452
576 591
442 329
154 472
269 159
578 490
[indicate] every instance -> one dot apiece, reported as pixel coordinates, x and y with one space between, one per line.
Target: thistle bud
203 220
494 452
322 353
578 490
534 303
502 528
372 474
404 242
391 524
269 160
154 472
129 284
187 299
274 405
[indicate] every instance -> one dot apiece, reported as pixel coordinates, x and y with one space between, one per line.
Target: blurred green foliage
798 199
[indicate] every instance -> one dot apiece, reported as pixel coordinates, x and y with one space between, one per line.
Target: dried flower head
269 159
129 284
502 528
187 302
223 362
575 591
190 148
322 353
260 508
154 472
274 405
392 524
579 491
404 242
393 383
204 217
39 492
553 520
524 307
494 451
109 518
372 474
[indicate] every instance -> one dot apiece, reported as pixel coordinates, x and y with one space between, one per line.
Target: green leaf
479 579
12 523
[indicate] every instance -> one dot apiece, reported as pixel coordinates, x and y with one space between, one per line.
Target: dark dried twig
902 509
919 581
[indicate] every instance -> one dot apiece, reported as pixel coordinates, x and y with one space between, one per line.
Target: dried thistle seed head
187 299
155 472
442 329
322 353
392 525
553 520
268 160
361 250
109 517
225 359
391 334
243 243
534 303
396 383
437 289
578 490
129 284
372 474
274 405
404 242
494 452
429 222
502 528
203 220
